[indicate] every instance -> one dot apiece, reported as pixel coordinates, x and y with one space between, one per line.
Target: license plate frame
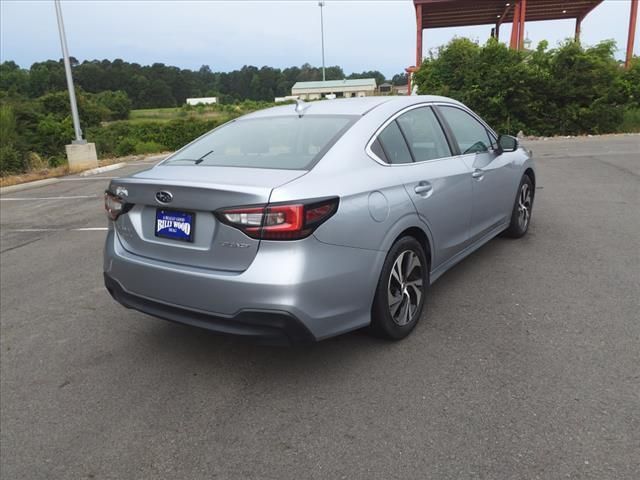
175 231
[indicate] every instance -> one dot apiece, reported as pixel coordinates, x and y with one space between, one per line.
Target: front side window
471 135
291 142
394 145
424 134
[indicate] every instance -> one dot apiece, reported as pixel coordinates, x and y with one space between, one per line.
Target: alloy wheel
524 206
405 287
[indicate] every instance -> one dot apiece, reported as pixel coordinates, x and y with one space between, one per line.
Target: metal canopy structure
462 13
458 13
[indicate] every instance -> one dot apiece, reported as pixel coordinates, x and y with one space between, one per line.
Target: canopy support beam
419 32
516 27
633 18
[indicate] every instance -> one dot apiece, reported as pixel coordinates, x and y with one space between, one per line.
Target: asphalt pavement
525 365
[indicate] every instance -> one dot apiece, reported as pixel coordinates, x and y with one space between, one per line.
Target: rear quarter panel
374 205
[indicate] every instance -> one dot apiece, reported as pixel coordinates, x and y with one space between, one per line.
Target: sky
359 35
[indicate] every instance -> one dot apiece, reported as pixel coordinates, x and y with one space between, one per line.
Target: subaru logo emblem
164 197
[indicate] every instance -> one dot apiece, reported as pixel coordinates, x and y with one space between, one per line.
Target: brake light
291 221
114 205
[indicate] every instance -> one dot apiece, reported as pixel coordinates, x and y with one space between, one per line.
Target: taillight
291 221
115 205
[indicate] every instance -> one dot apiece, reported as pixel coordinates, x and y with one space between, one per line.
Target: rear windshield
291 142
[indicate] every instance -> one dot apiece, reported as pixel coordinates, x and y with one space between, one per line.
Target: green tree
400 79
380 79
14 79
117 103
46 77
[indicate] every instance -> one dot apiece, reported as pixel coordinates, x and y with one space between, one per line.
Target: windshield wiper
196 161
199 161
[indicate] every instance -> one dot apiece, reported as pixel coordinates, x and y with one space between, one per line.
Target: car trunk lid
196 191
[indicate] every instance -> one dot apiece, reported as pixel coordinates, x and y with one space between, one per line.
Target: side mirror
507 143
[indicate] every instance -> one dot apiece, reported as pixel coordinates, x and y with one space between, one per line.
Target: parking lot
526 364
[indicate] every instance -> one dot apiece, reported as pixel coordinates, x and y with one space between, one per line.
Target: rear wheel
401 290
521 214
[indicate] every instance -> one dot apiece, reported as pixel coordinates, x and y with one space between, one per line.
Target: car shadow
195 346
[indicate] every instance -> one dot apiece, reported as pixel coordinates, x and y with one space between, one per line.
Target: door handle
477 174
423 188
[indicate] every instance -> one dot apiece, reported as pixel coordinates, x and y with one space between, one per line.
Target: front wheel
521 214
401 290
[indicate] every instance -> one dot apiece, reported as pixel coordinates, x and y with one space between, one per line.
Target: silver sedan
301 222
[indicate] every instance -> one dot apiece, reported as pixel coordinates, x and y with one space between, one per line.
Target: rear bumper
269 327
300 291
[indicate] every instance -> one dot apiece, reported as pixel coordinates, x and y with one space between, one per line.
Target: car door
438 182
491 171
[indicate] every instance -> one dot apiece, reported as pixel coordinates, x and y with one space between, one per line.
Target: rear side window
424 134
291 142
394 145
376 148
471 135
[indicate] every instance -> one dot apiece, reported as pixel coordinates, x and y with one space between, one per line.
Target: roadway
526 365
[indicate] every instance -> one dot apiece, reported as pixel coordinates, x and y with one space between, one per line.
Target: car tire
522 209
402 287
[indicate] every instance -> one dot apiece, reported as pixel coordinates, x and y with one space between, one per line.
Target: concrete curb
154 158
106 168
25 186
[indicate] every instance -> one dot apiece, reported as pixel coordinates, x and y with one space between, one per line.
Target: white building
361 87
288 98
202 101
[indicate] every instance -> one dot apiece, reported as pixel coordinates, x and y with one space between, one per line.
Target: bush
631 121
565 91
124 138
57 105
125 147
53 135
35 162
10 160
631 83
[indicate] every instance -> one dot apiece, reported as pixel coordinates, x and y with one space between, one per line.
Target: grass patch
168 114
198 112
149 147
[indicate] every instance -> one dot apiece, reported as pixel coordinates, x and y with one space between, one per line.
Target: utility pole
321 5
80 154
67 71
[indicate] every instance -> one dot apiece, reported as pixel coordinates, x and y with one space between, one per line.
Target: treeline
35 121
131 137
33 132
568 90
160 85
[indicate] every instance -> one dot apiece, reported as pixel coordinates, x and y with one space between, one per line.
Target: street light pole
80 154
321 5
67 69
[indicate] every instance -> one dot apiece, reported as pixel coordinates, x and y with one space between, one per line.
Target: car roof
349 106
